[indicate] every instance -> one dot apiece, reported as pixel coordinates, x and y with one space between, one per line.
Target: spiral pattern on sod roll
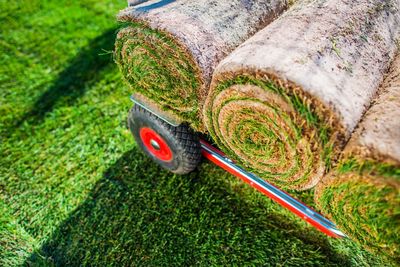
276 135
158 67
365 204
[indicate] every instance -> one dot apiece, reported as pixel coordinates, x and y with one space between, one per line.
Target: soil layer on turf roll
284 103
168 51
362 195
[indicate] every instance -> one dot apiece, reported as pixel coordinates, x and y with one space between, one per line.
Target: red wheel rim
155 144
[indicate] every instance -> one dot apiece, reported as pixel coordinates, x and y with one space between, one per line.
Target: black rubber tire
183 142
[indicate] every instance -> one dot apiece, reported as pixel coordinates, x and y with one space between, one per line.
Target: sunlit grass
74 189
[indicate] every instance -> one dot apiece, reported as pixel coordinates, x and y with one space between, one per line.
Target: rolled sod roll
362 195
285 101
169 49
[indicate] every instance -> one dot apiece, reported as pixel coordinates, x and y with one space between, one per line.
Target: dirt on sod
362 194
74 189
302 83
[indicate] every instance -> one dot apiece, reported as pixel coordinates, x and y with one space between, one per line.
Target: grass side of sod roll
158 67
363 194
362 197
268 140
74 188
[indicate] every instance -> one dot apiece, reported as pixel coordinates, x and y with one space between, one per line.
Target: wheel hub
155 144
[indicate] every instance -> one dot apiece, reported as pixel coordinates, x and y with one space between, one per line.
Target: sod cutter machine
177 148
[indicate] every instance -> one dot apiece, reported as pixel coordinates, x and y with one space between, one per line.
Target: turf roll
362 195
285 101
169 49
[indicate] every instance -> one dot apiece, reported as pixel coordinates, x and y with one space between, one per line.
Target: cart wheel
176 149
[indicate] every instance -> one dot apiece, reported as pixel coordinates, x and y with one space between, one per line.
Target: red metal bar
333 232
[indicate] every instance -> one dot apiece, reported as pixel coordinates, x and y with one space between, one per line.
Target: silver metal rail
273 192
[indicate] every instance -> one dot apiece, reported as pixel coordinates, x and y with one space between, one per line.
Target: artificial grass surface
74 189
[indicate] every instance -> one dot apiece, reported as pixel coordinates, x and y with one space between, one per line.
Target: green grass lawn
75 189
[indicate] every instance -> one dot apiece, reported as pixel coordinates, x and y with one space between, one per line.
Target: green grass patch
74 189
15 243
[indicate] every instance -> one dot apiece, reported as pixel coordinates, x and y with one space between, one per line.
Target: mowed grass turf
75 189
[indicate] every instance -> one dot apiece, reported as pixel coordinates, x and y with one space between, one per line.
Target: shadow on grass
73 81
139 214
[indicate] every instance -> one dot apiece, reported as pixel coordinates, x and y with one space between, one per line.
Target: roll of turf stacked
362 195
169 49
285 101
